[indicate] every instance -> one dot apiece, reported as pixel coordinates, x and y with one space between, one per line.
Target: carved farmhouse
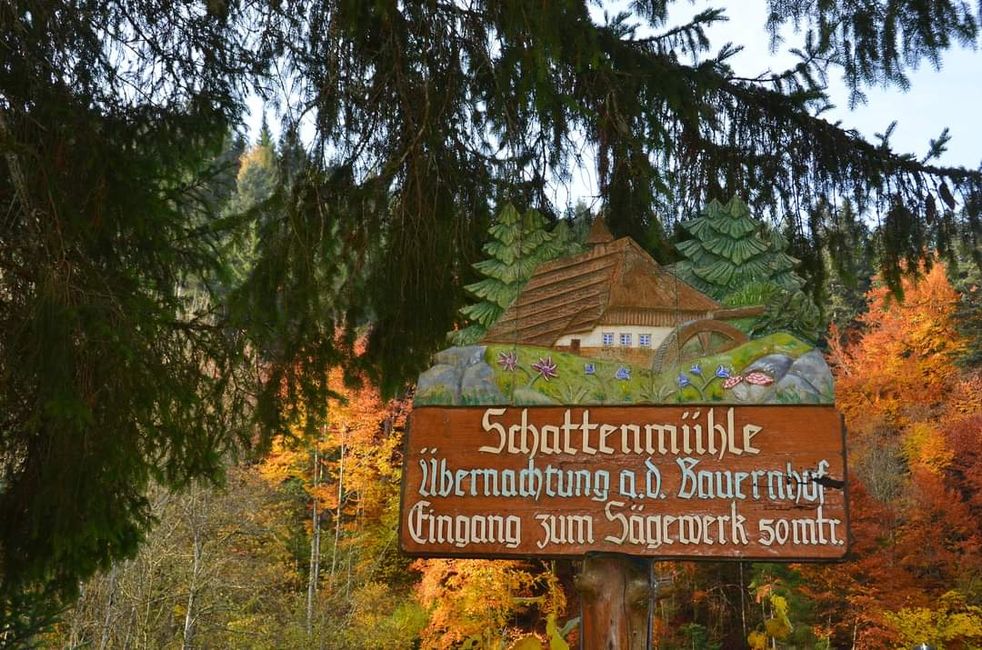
615 301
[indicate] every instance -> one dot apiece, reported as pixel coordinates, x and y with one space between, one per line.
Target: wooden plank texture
692 481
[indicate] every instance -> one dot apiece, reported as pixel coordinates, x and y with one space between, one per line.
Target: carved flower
683 380
623 373
722 372
589 369
732 381
759 379
696 370
546 368
508 361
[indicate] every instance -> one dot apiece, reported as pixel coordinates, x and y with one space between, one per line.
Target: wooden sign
689 481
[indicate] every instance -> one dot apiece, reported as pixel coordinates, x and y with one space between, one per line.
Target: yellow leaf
556 640
530 642
757 640
780 605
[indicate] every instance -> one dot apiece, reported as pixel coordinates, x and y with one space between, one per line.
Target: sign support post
615 591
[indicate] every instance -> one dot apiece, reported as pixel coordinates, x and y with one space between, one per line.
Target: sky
951 96
947 97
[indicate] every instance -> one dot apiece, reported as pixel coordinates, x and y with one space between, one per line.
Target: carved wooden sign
693 481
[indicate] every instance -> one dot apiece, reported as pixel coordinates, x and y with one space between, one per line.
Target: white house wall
594 338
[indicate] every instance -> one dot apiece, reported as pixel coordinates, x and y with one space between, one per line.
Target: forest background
202 337
298 548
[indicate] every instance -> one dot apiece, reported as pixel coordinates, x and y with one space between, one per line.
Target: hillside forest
297 546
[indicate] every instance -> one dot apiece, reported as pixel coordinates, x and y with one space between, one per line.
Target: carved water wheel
696 339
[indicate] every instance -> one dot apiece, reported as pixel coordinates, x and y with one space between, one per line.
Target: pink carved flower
755 378
759 379
508 361
732 381
546 368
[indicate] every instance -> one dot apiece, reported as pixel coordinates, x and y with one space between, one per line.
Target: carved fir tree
729 251
737 260
519 242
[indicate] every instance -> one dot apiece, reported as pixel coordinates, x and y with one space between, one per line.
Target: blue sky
950 96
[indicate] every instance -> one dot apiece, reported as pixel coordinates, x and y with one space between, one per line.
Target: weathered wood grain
743 493
616 597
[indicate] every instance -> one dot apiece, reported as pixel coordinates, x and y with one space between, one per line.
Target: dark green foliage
967 280
877 41
247 209
697 637
479 102
849 259
222 185
290 307
790 311
112 376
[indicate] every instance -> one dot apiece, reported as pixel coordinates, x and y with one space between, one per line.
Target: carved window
644 340
608 339
626 340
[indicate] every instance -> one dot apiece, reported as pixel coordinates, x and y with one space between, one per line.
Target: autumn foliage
914 422
914 571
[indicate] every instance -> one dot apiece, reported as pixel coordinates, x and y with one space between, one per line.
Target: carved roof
612 280
599 234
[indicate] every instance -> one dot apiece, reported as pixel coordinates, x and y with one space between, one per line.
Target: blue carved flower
589 369
623 373
723 372
696 370
683 380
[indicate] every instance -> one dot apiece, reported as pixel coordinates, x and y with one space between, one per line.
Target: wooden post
615 593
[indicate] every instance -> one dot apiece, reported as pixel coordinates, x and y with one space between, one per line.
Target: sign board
675 482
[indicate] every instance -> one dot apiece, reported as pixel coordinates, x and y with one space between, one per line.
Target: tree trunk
743 602
189 617
616 602
337 514
107 621
315 545
73 630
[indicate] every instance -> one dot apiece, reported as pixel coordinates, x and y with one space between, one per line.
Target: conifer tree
255 183
256 179
848 256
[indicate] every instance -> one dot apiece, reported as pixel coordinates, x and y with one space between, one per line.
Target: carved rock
477 385
775 365
461 356
751 394
812 368
808 381
439 385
